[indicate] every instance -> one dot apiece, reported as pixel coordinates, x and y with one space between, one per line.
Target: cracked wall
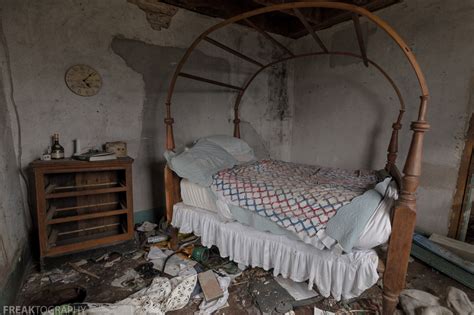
136 61
14 217
348 109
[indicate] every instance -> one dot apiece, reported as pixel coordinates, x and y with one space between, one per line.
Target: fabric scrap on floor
412 299
458 301
162 296
416 302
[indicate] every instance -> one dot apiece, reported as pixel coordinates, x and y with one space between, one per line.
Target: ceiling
282 23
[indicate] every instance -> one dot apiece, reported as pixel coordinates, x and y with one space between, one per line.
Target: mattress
340 276
199 196
376 232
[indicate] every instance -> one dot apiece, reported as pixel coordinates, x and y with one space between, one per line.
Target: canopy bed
402 211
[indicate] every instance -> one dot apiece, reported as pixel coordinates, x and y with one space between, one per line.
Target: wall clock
83 80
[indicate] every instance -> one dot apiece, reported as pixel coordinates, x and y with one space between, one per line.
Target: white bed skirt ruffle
342 276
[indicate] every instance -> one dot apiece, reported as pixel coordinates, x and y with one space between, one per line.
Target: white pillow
236 147
200 162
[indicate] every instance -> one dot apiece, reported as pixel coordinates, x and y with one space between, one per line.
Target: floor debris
209 306
81 270
171 262
415 302
162 296
210 286
298 290
147 227
80 263
127 281
112 259
318 311
57 275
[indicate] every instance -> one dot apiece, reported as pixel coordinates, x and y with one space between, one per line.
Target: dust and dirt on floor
112 279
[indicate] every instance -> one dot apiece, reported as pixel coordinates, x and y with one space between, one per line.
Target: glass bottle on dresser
57 150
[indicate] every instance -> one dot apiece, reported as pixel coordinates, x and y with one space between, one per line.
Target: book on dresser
82 205
95 156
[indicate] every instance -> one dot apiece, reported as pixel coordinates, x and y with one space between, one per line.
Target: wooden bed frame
404 211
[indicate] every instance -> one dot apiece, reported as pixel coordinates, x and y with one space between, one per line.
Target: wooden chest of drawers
82 205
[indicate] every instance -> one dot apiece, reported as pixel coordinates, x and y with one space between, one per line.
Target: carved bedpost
393 146
172 189
169 128
237 127
236 115
404 216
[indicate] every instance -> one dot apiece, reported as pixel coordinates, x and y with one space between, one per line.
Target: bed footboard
172 196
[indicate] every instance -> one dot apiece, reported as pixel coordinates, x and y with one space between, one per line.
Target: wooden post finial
393 145
236 121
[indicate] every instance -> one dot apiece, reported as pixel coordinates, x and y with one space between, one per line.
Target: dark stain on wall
279 108
157 64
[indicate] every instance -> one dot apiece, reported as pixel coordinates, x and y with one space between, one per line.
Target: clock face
83 80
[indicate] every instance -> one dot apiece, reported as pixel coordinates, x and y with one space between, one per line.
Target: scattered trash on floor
157 239
130 280
163 295
298 290
151 278
268 294
59 295
458 301
209 306
210 286
80 263
81 270
56 275
147 271
318 311
147 227
415 302
168 261
112 259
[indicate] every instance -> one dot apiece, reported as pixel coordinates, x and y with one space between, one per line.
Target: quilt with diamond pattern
300 198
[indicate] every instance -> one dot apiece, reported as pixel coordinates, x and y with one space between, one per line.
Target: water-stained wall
348 109
135 59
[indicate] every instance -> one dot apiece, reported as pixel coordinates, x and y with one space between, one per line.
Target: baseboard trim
151 215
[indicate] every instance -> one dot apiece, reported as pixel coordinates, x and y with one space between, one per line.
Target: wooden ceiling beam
232 51
277 23
342 16
310 30
360 38
270 37
198 78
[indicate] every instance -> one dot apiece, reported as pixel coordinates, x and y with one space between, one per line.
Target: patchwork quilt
300 198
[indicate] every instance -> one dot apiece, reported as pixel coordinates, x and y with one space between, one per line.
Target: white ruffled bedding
342 276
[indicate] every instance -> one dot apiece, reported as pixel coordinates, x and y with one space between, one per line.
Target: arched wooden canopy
403 221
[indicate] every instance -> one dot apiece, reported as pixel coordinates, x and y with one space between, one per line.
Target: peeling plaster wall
348 110
136 62
14 220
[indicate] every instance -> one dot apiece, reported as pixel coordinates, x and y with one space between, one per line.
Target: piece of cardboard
210 286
